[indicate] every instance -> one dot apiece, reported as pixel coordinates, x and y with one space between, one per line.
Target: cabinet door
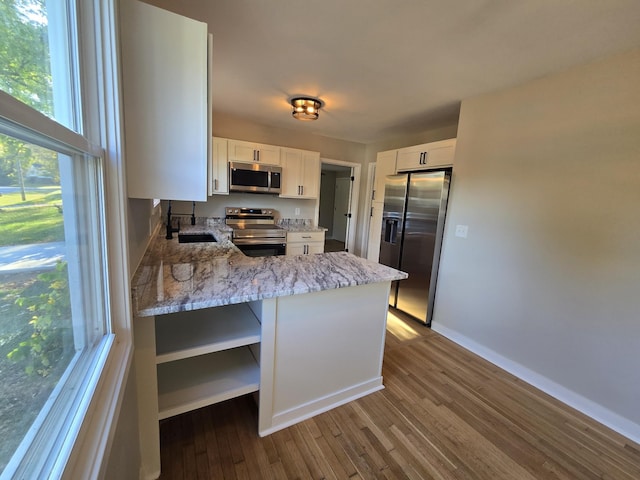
300 173
268 154
375 230
428 155
165 85
219 182
385 165
240 151
315 247
248 152
295 248
412 158
441 154
310 179
291 162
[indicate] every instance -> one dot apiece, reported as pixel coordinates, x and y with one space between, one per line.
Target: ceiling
385 68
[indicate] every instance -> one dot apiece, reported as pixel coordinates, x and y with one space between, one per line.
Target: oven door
256 247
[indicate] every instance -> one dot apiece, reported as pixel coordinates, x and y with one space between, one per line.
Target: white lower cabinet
305 243
292 349
206 356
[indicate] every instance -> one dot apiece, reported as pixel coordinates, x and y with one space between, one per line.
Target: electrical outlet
462 231
297 212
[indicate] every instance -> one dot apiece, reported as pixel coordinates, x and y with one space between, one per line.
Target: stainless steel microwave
254 178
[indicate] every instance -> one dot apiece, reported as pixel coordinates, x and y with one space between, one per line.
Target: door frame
355 190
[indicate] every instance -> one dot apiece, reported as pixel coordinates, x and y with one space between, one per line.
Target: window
56 329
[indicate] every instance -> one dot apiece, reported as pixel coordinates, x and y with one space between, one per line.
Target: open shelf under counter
199 332
196 382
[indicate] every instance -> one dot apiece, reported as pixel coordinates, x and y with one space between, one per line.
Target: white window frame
86 446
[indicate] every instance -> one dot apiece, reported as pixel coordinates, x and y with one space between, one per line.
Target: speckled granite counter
174 277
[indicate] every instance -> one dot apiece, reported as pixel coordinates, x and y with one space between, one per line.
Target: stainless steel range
255 231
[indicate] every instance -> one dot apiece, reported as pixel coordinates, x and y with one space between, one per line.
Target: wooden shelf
199 332
196 382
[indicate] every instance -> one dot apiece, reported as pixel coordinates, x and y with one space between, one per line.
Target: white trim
303 412
90 454
61 138
355 192
366 224
599 413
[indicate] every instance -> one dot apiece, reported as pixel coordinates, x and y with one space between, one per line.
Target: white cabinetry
300 173
375 230
165 65
305 243
204 357
240 151
428 155
219 181
385 165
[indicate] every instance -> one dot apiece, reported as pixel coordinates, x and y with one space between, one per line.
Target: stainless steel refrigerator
415 205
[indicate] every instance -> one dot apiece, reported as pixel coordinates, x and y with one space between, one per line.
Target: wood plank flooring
444 414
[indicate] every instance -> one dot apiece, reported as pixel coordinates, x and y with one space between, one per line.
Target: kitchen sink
195 237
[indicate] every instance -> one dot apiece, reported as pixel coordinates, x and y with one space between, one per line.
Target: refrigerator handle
390 230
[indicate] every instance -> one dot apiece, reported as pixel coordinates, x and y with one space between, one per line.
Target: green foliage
50 340
26 75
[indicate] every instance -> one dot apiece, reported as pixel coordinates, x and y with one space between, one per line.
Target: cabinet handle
306 236
215 184
373 194
301 189
258 155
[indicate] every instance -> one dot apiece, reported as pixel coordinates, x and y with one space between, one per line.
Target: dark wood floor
331 245
444 414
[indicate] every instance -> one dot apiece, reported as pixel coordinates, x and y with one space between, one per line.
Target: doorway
337 205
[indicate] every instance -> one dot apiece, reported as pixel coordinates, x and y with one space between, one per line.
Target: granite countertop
296 225
174 277
303 228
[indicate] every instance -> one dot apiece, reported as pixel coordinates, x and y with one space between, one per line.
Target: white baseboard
304 412
594 410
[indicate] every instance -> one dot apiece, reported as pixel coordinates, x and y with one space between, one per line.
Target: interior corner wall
547 282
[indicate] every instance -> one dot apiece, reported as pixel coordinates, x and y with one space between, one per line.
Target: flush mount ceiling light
305 108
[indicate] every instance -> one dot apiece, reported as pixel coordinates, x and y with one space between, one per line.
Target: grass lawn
36 220
35 196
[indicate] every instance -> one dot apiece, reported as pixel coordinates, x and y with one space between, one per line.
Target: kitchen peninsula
306 333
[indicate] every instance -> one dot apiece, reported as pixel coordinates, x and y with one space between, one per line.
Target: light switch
462 230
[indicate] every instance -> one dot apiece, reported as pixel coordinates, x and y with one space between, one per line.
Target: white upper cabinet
300 173
428 155
167 115
385 165
248 152
219 181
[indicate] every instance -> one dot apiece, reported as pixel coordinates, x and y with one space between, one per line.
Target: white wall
547 177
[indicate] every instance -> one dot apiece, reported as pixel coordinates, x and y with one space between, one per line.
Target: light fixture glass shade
305 108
